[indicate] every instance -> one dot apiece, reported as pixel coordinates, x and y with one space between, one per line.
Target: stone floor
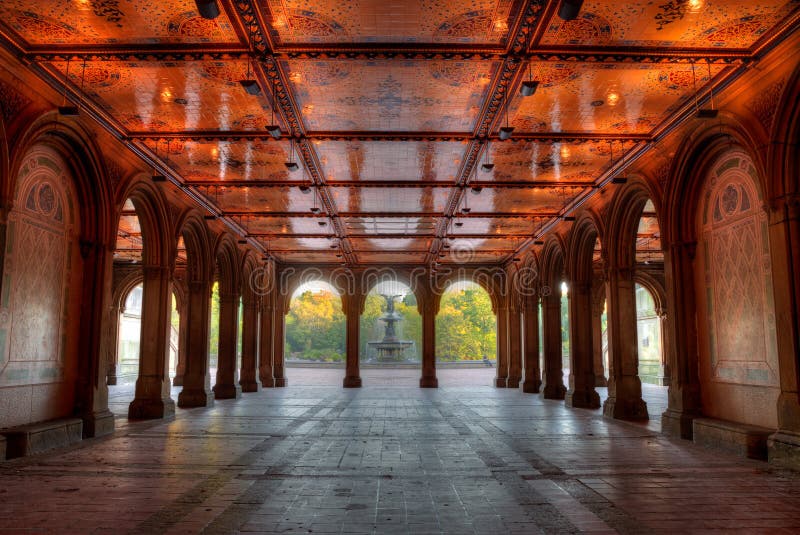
392 458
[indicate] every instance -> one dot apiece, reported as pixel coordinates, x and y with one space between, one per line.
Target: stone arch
493 281
192 228
782 163
585 231
152 212
623 220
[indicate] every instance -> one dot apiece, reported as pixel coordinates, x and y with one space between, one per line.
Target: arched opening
130 327
648 335
466 335
315 335
390 335
213 329
563 289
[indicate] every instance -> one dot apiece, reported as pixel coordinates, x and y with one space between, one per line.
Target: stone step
36 438
741 439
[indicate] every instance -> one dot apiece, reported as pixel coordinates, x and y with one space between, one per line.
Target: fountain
390 349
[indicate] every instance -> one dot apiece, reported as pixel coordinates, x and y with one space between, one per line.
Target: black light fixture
530 86
516 259
465 209
249 84
487 166
322 223
158 177
68 110
315 209
567 218
619 179
291 165
209 217
570 9
208 9
506 131
272 128
242 241
459 224
476 189
305 189
538 242
704 113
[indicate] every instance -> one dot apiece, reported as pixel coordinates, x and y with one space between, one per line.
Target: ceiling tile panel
390 244
121 21
402 226
160 96
273 199
382 21
390 95
257 161
610 98
493 225
285 225
391 160
520 200
391 258
389 200
686 23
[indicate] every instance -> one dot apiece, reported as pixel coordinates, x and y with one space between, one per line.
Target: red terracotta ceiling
391 105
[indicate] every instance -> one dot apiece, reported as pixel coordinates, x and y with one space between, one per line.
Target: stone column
428 309
624 387
112 349
353 305
533 379
597 340
581 391
684 404
183 330
248 380
514 344
266 341
551 329
196 383
226 386
152 399
784 236
278 342
501 375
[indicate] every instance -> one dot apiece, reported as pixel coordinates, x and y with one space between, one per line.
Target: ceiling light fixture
487 166
291 165
315 209
570 9
476 189
538 242
242 241
530 86
158 177
506 131
208 9
249 84
621 179
273 128
704 113
68 110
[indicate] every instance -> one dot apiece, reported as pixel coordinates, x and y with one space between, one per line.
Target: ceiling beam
266 183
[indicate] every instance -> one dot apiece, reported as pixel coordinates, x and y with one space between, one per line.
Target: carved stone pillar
597 340
551 329
112 350
226 386
281 308
353 305
248 380
581 391
152 399
784 237
196 383
514 345
684 404
266 341
533 379
501 375
624 387
428 309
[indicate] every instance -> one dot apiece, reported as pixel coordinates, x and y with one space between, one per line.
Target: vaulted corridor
393 459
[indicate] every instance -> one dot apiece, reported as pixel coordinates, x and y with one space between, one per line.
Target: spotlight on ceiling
158 177
292 166
516 260
338 255
528 88
251 86
459 224
68 111
208 9
476 189
305 189
570 9
466 210
707 113
567 218
505 132
274 130
487 166
315 209
322 223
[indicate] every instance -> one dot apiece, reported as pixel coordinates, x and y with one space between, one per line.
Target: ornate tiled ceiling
394 107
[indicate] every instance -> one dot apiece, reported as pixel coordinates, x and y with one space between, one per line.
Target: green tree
315 327
466 326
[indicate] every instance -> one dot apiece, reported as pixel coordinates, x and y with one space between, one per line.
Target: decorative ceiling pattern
395 112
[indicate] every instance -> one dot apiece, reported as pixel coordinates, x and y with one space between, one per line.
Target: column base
98 423
351 382
500 382
150 409
227 391
249 386
428 382
267 382
531 386
177 380
280 382
513 382
678 424
600 381
554 391
582 399
199 397
783 449
625 409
